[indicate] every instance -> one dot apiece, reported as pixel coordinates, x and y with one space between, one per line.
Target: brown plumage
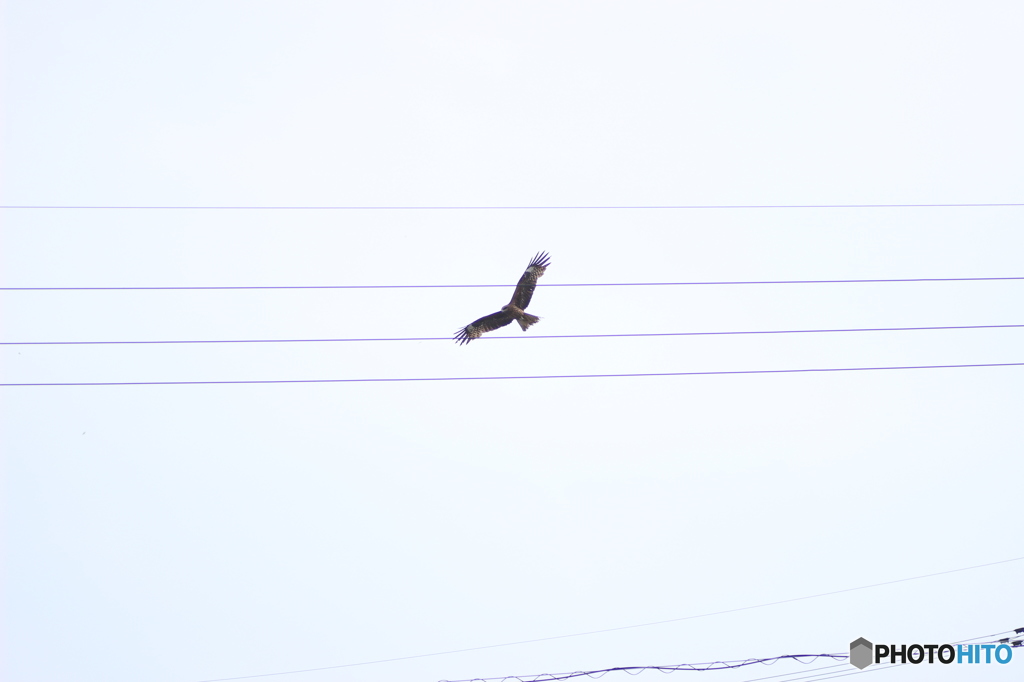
515 308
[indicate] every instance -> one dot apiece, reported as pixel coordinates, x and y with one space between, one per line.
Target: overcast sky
182 533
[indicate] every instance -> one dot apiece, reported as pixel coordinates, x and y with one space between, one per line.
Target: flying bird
515 310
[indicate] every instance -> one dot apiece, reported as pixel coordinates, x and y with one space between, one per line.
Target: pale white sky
188 533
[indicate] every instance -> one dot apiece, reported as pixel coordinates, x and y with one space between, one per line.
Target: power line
511 284
506 338
635 669
832 674
502 208
800 672
500 378
702 667
816 674
624 627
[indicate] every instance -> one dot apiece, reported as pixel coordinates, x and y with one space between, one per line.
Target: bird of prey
515 308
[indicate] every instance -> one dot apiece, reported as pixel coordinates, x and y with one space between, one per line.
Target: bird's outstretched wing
485 324
528 282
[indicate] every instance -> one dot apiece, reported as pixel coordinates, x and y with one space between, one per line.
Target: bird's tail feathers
527 320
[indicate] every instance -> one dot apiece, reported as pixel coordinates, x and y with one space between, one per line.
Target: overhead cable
506 338
619 207
511 284
622 627
502 378
702 667
633 670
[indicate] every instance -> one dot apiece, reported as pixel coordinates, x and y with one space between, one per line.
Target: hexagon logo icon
861 653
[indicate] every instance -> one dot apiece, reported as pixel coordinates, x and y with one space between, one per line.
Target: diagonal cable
484 286
504 378
505 338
